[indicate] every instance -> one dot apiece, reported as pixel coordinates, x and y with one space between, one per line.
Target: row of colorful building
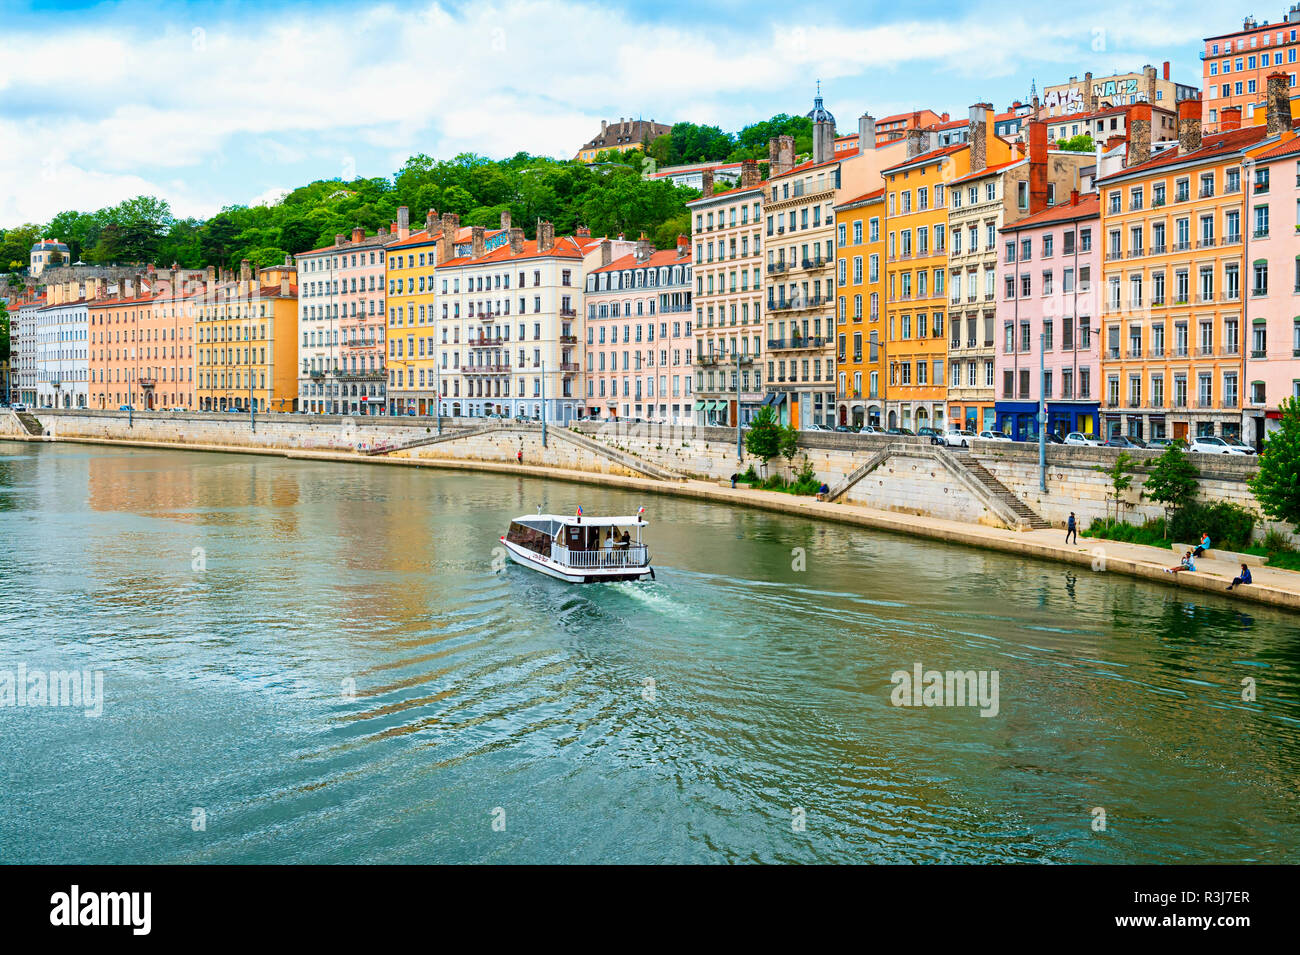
932 273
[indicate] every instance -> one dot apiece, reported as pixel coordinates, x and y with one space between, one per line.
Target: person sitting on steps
1243 579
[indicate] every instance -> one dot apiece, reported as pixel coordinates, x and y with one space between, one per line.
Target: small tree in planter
763 439
1121 479
1173 482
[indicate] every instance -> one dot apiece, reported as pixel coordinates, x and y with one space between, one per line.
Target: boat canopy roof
552 522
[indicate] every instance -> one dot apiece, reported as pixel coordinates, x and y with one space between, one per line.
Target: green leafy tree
1121 477
1082 143
1276 485
789 443
1172 481
763 439
4 335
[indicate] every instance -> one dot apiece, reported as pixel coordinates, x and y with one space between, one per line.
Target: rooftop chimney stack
516 241
706 182
1229 119
358 234
478 241
403 222
545 236
1278 104
866 132
749 174
505 220
644 248
432 224
1189 125
1037 166
606 252
978 136
684 245
1139 134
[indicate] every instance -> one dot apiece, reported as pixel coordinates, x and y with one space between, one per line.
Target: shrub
1230 526
1275 542
805 482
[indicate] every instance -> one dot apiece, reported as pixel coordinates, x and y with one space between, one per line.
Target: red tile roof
566 247
865 197
1087 207
926 157
1212 147
987 170
1288 147
659 257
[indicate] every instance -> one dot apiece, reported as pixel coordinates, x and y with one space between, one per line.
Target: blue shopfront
1020 419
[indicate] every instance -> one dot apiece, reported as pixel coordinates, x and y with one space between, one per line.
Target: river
323 662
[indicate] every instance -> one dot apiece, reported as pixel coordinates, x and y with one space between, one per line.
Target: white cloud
220 104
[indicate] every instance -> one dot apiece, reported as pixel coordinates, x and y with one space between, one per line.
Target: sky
215 104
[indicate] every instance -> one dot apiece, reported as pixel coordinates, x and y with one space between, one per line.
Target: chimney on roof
916 140
288 261
137 286
644 248
1114 141
245 271
338 238
1166 69
447 240
545 236
516 241
823 141
748 173
1149 74
432 224
1189 125
1139 134
285 288
1278 104
786 151
383 230
866 133
1074 197
403 221
606 252
478 241
1037 166
358 234
977 135
1229 119
684 245
505 220
212 273
706 182
583 232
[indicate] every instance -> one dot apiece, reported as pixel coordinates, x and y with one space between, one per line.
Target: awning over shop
700 405
777 398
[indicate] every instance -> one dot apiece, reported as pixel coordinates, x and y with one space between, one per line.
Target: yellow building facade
246 338
859 327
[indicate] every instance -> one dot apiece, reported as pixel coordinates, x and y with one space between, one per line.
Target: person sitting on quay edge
823 491
1184 564
1203 546
1243 579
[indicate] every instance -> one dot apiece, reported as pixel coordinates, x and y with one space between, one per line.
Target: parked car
871 429
1159 444
1242 446
1126 441
816 427
1208 444
934 434
957 438
125 408
907 431
20 406
1054 438
1080 440
994 436
845 429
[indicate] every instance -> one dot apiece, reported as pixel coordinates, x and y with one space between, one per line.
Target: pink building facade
1050 265
1273 348
640 337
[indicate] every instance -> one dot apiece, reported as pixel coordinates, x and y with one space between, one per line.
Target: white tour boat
578 549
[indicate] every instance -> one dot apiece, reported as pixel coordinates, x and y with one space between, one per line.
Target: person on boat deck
625 541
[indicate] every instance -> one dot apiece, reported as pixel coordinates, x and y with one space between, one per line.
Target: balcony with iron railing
791 344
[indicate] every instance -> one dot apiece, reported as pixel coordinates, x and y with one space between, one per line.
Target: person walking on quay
1243 579
519 456
1071 529
1203 546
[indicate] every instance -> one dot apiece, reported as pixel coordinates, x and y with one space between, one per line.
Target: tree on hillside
4 335
1276 485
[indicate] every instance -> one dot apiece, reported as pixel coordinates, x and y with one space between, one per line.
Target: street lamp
741 361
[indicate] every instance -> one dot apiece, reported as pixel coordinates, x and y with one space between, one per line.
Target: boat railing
635 555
